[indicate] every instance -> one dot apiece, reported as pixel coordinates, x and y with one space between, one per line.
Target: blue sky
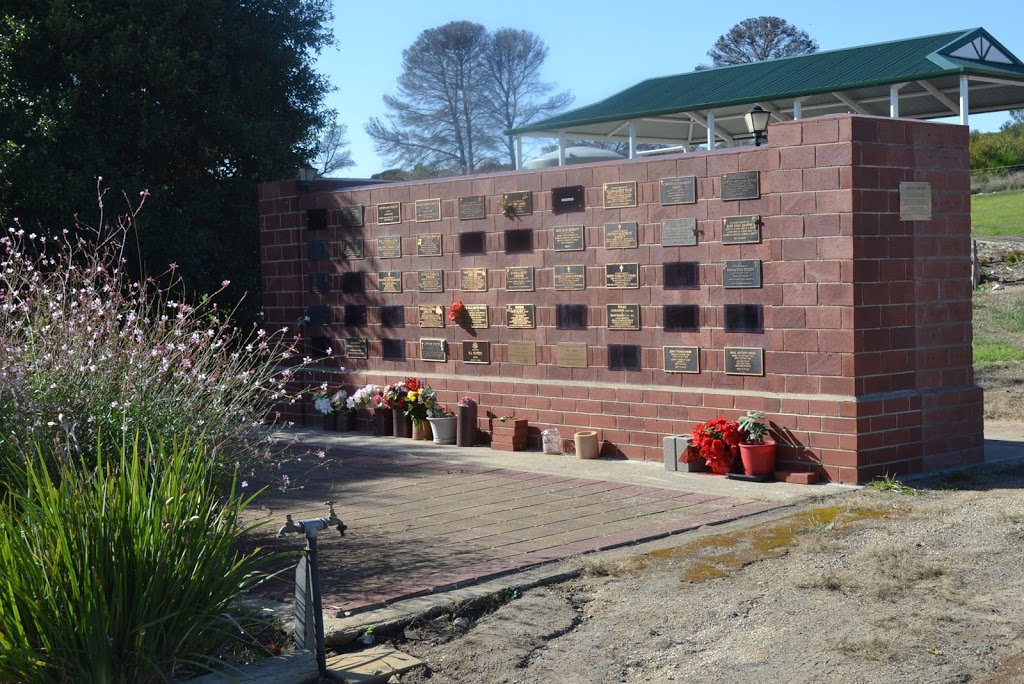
599 48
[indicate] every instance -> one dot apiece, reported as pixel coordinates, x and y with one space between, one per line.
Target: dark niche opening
392 316
319 315
624 357
571 316
743 318
393 350
681 275
320 345
681 317
318 283
519 241
316 219
316 250
355 315
564 200
353 282
472 243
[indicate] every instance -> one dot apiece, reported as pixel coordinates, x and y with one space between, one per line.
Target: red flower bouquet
717 441
455 311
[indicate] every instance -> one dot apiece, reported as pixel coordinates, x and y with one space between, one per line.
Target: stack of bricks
510 435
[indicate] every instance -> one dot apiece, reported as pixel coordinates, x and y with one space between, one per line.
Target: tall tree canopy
758 39
460 89
196 100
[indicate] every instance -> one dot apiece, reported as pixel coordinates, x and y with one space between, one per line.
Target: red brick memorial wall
823 278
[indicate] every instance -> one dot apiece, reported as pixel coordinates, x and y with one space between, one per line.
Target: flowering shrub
716 440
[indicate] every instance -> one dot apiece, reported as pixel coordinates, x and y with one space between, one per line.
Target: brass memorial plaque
352 249
472 207
473 280
389 213
389 282
520 316
357 348
744 361
431 280
522 352
571 355
622 276
429 245
682 359
474 351
572 277
741 230
679 232
915 201
478 319
568 238
679 190
622 316
428 210
519 279
432 316
350 216
620 236
389 247
518 203
620 195
740 185
742 273
433 350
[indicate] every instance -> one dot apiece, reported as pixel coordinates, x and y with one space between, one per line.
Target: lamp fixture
757 123
307 174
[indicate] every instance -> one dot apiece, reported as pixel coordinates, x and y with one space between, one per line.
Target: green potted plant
757 450
443 424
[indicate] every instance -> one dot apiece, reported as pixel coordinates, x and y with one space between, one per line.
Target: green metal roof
835 81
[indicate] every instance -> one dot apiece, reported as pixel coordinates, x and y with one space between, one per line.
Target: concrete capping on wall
866 318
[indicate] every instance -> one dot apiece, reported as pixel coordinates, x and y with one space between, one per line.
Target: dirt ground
918 586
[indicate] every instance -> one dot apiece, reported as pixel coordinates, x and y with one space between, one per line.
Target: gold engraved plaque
472 207
389 247
679 232
571 355
619 195
744 361
433 350
620 236
568 238
389 282
622 316
522 352
474 351
473 280
520 316
679 190
357 348
428 210
572 277
518 203
431 280
429 245
389 213
519 279
478 319
432 316
741 230
682 359
622 276
740 185
915 201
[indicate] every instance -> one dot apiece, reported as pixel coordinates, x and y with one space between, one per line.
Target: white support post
964 100
561 149
798 109
519 153
894 101
711 130
632 139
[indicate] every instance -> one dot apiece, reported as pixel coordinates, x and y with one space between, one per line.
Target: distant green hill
999 213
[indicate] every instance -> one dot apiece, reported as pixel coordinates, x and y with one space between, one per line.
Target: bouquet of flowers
395 394
455 311
371 396
421 403
327 403
717 441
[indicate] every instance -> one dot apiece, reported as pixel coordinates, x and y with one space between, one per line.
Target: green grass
1000 213
986 351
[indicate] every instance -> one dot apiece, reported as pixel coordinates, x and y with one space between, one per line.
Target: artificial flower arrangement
467 401
327 403
371 396
716 441
455 311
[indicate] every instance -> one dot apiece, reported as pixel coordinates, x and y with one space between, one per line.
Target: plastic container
551 441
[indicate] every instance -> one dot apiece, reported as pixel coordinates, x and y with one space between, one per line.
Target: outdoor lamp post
307 174
757 123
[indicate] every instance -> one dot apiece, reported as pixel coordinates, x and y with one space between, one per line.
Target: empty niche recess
472 243
316 219
393 350
320 345
743 318
681 317
353 282
624 357
681 275
519 241
319 315
571 316
355 315
392 316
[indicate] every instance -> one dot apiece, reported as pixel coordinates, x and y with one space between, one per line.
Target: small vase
444 429
758 459
342 421
382 426
420 430
586 444
466 431
400 424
